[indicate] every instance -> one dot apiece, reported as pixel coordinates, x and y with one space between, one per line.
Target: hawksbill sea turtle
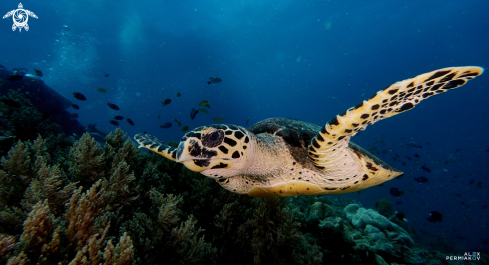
287 157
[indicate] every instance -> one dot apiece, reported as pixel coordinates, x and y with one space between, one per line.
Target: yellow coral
37 230
20 259
7 244
122 254
82 212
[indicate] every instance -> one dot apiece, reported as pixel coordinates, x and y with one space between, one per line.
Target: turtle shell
297 133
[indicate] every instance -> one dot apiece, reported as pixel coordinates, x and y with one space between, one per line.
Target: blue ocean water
307 60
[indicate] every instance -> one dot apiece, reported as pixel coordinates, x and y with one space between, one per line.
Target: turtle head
221 149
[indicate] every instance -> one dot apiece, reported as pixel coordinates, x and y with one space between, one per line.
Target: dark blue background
308 60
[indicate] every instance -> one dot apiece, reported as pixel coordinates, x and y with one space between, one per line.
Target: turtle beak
189 154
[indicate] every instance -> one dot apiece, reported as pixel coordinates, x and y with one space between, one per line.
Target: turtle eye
213 139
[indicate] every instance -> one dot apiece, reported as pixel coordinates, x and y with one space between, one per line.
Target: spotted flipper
152 143
327 148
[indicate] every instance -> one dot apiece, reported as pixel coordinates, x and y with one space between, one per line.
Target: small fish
401 216
166 102
404 164
384 152
214 80
10 103
434 217
373 149
413 144
159 117
398 203
45 116
178 122
118 118
204 111
425 169
166 125
101 90
457 150
247 122
79 96
218 119
74 115
396 192
408 158
14 78
38 72
113 106
484 206
130 121
114 123
75 106
184 128
416 155
471 182
421 179
193 112
205 103
178 94
106 74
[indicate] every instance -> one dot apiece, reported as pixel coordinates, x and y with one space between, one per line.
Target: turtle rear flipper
152 143
327 150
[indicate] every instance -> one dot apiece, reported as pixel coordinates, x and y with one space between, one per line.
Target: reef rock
374 231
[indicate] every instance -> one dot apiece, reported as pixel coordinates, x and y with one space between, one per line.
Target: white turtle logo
20 17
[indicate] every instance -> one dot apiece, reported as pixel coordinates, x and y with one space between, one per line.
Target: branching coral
83 209
119 191
122 254
168 211
35 241
264 232
188 244
87 160
17 174
19 162
11 219
7 244
48 185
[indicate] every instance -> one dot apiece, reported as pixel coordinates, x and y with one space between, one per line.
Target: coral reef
56 217
360 235
79 202
23 123
374 231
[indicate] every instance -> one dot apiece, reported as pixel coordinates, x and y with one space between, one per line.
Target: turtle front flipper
152 143
327 150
